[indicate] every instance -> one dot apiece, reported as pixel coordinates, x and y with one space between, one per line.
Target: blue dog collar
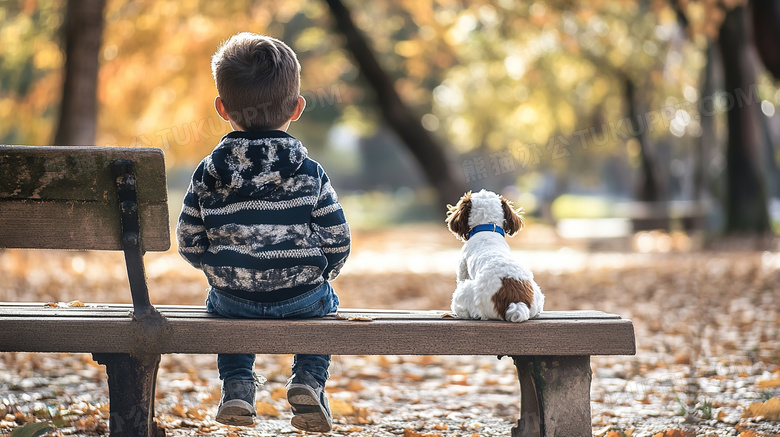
483 228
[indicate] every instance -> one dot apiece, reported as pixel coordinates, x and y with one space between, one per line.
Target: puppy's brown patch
512 291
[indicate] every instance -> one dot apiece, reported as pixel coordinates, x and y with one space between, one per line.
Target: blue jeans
316 303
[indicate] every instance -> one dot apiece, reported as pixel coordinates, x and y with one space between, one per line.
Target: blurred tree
431 156
725 24
650 188
83 32
766 30
746 201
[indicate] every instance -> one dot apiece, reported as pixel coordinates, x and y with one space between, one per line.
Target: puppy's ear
458 217
513 219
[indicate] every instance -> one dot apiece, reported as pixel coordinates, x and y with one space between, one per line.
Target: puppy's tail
517 312
513 300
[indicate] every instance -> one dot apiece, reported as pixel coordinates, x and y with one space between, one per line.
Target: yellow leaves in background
310 38
409 49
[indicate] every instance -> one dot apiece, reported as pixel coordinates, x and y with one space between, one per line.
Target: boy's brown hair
258 79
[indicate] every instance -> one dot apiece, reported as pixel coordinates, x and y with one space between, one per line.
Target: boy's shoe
237 406
309 404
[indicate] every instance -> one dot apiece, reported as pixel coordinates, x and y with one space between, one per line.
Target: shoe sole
236 413
309 415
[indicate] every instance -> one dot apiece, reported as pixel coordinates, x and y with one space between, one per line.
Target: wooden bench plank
384 336
65 197
75 225
35 309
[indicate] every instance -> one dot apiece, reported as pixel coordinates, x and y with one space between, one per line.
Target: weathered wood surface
192 330
65 197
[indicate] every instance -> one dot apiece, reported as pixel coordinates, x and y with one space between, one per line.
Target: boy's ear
299 107
219 105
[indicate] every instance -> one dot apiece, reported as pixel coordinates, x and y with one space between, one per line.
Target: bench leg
555 396
131 385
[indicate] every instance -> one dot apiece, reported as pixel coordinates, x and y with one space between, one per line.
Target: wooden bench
91 198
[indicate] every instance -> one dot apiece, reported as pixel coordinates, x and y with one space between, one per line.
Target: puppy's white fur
486 264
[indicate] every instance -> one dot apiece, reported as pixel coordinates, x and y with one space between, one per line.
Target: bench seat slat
194 311
391 335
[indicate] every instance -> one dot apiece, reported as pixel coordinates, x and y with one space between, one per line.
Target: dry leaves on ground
707 327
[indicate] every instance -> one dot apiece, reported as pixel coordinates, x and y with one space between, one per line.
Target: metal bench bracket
132 377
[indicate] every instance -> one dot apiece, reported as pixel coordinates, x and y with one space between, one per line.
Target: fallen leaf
32 429
91 424
354 385
409 433
769 409
351 429
278 393
675 433
449 316
266 410
178 410
356 317
76 303
341 408
770 383
603 431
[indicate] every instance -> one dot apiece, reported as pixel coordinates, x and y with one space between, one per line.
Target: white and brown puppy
491 283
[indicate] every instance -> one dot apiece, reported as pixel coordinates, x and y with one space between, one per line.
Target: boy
262 221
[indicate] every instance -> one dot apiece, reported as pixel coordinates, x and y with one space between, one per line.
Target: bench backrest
66 197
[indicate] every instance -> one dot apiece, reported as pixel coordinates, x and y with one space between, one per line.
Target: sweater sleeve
329 223
190 230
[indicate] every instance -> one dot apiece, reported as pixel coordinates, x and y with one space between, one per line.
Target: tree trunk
766 31
649 188
746 204
432 156
704 147
78 112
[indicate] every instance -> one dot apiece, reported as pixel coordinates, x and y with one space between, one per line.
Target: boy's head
258 81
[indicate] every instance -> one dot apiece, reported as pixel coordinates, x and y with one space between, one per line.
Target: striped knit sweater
261 219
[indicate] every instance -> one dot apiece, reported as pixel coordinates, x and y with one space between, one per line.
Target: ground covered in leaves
707 327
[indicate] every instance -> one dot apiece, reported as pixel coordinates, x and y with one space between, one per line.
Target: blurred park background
640 137
574 110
